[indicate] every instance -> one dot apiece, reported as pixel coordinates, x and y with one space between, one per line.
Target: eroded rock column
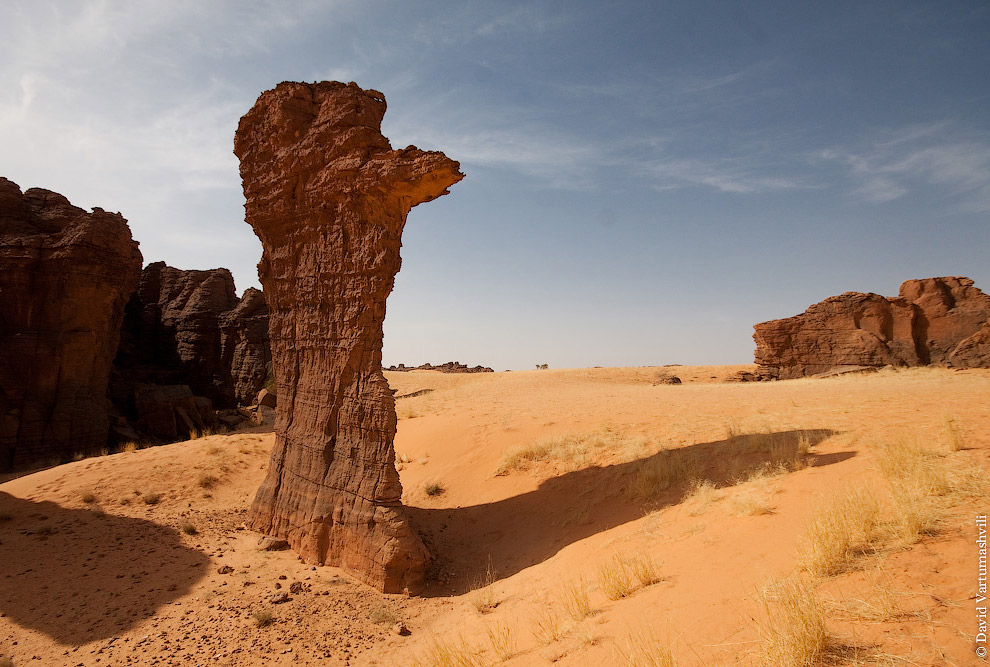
328 197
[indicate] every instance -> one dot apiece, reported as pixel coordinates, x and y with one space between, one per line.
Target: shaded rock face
328 197
188 327
933 321
65 276
171 332
245 349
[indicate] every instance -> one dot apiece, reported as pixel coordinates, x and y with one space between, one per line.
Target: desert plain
575 517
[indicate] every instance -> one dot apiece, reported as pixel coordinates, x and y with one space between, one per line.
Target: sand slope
95 575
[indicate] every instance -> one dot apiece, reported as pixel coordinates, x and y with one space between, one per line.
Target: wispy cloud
928 155
729 175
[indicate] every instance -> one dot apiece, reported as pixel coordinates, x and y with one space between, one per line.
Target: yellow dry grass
794 634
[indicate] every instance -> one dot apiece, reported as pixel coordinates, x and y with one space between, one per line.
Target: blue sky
644 180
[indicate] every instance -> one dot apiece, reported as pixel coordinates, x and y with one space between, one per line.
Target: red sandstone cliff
933 321
65 276
328 197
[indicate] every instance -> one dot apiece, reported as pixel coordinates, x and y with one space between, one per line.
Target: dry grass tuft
88 497
152 498
503 641
619 577
952 436
547 627
483 598
434 489
701 495
383 616
263 617
130 447
574 449
844 527
794 634
452 654
188 528
661 472
207 480
642 649
575 600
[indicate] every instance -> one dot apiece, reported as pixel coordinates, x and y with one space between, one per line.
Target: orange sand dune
94 573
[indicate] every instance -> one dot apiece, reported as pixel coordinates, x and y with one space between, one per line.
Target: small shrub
383 616
129 447
435 489
151 498
88 497
208 481
263 617
189 529
794 634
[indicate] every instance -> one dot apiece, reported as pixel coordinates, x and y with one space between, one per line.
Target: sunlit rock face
943 321
328 197
65 276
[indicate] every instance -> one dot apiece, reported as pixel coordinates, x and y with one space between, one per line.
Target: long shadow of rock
510 535
80 575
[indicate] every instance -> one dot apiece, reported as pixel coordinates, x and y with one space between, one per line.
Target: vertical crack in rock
328 197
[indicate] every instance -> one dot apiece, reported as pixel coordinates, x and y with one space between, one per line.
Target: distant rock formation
65 276
328 197
449 367
943 321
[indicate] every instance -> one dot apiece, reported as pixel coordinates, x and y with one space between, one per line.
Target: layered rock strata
328 197
943 321
65 276
245 349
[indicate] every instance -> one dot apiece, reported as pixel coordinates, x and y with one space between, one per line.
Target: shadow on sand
522 531
78 575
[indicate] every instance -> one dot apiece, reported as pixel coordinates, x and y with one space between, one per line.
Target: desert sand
527 487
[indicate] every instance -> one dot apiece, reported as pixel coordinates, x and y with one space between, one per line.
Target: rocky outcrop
188 327
328 197
942 321
65 276
449 367
171 332
244 346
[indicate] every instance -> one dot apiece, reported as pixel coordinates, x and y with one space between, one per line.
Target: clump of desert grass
620 576
87 497
794 634
663 471
644 649
547 626
880 603
453 653
434 489
263 617
574 450
207 480
843 528
383 616
574 599
483 597
151 498
503 641
188 528
952 436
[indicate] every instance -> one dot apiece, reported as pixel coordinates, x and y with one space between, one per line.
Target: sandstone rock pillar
328 197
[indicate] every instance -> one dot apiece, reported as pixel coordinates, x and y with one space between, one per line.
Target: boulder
328 197
933 321
65 276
